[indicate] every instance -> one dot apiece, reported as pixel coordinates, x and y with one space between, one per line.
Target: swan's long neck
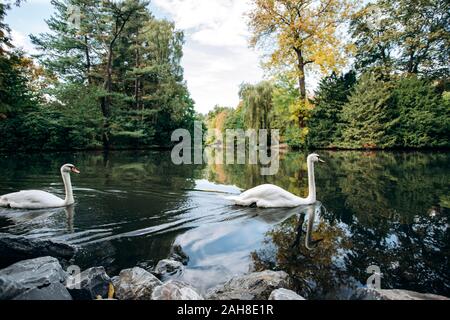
68 186
311 182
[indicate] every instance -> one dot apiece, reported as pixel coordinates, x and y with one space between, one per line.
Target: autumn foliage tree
305 32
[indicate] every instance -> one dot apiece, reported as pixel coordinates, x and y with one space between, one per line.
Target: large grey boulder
253 286
89 284
175 290
9 288
167 268
54 291
17 248
394 294
135 284
177 254
35 272
285 294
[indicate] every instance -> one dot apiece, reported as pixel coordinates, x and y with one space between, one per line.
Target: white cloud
195 13
217 58
216 54
21 41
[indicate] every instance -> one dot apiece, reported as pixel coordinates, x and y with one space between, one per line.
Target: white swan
271 196
36 199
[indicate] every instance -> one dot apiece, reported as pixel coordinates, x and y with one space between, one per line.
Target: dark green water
376 208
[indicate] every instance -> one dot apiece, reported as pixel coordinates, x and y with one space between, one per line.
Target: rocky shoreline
36 273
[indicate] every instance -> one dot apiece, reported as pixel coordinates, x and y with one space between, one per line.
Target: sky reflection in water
376 208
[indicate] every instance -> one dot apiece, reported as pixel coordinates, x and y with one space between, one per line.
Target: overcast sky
216 60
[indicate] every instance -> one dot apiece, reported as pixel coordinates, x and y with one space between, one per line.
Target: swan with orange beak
37 199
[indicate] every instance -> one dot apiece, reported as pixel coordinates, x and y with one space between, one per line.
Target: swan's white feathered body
271 196
268 196
31 199
37 199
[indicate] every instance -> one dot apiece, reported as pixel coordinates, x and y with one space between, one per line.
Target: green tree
15 93
290 113
67 52
236 118
369 117
257 101
409 36
127 62
16 71
119 14
424 116
373 37
325 125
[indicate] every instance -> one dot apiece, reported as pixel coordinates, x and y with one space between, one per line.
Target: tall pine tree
369 118
325 127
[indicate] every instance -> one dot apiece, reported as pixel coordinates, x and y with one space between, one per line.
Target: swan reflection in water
47 219
312 211
278 216
70 214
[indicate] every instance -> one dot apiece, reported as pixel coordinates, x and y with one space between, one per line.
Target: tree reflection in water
312 264
385 209
389 209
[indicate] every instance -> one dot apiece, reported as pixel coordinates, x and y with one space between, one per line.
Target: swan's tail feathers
3 202
231 198
237 200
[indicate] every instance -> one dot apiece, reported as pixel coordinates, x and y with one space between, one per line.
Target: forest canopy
114 78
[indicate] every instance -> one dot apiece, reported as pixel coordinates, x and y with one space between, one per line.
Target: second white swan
37 199
271 196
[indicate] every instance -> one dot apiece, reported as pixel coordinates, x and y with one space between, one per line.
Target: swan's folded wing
32 199
231 198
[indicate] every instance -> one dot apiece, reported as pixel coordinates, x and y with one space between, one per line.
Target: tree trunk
142 102
137 79
301 81
105 100
410 65
301 73
88 60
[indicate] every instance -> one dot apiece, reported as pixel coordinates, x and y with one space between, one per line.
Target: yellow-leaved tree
301 34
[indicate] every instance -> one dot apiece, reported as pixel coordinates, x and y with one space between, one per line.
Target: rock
285 294
115 281
17 248
175 290
395 294
166 268
89 284
9 288
254 286
54 291
34 273
177 254
135 284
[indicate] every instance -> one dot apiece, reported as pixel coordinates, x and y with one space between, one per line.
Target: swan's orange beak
75 170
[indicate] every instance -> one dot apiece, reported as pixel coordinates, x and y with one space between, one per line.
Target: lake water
388 209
